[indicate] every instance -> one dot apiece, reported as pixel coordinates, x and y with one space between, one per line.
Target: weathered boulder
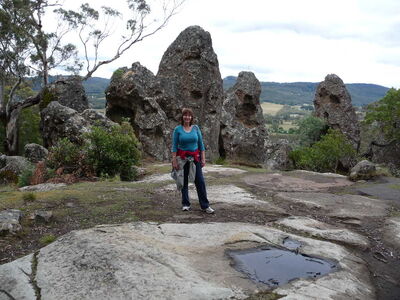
189 73
332 102
41 215
58 121
68 92
14 164
362 171
278 155
35 153
131 94
243 134
9 221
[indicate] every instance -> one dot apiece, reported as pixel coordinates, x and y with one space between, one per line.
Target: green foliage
65 154
29 197
46 98
113 152
28 127
324 155
47 239
25 177
310 130
117 75
386 112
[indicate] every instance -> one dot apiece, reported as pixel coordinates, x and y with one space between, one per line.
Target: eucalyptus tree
29 46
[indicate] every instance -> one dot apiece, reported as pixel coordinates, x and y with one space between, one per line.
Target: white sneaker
209 210
185 208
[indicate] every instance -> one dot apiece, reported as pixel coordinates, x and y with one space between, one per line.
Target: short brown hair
186 111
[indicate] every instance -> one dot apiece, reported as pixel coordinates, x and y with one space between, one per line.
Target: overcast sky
286 40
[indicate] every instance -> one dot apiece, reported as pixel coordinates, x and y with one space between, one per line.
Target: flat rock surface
385 189
14 279
166 261
392 231
42 187
307 182
341 206
325 231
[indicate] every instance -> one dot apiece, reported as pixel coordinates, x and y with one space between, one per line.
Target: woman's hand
175 163
203 158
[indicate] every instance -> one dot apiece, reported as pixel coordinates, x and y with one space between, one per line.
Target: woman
188 154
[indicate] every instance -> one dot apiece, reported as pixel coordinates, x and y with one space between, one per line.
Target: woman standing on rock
188 158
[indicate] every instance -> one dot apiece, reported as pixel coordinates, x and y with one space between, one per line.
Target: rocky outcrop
362 171
189 71
188 76
133 94
58 121
68 92
332 102
278 155
35 153
243 134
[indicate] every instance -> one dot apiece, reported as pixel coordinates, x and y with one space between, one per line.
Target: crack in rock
32 276
8 294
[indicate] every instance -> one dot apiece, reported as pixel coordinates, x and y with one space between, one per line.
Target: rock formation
68 92
131 94
362 171
58 121
189 71
188 76
332 102
243 134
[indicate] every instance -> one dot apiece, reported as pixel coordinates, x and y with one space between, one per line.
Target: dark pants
200 186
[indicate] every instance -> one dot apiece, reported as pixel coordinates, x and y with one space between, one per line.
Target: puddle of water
291 244
275 267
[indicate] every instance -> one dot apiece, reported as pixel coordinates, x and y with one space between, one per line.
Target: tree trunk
11 141
2 102
11 145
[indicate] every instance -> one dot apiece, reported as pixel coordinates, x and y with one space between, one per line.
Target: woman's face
187 118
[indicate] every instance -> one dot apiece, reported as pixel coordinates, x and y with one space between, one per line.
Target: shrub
326 154
310 130
28 197
7 176
68 156
113 152
25 177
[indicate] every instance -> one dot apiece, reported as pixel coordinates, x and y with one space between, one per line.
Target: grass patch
47 239
395 186
28 197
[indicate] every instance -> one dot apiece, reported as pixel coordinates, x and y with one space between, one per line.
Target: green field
270 108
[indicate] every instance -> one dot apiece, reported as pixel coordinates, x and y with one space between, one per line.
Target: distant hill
294 93
94 85
291 93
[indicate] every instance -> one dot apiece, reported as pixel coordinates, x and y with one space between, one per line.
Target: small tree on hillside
386 113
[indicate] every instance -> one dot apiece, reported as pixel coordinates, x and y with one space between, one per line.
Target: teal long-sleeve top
187 141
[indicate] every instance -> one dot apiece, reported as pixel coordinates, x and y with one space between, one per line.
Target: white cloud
286 40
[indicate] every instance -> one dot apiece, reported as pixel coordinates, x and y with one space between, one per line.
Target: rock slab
174 261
